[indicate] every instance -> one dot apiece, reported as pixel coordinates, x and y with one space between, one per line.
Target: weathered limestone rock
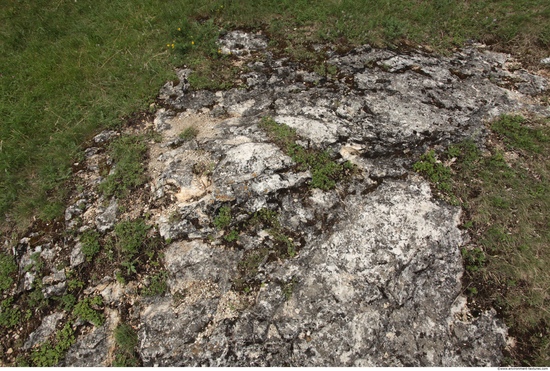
42 333
369 273
106 217
92 348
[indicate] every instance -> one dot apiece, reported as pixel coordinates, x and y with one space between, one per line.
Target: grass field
70 68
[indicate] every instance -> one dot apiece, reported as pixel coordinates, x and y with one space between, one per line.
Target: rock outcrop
365 274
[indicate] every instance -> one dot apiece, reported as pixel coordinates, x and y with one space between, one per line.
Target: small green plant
189 133
131 236
435 170
7 269
125 360
48 355
126 338
74 284
474 259
84 310
36 299
283 135
265 217
233 235
120 278
67 302
90 244
157 286
10 316
290 249
288 288
130 266
223 219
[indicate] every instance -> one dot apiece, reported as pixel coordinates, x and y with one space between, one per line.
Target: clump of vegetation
189 133
36 299
157 285
474 259
232 236
269 219
131 236
85 310
508 203
126 340
434 170
325 172
67 302
223 219
7 269
90 244
10 316
128 153
48 355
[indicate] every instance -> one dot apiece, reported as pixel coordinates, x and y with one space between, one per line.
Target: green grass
128 153
69 69
126 340
72 68
507 200
189 133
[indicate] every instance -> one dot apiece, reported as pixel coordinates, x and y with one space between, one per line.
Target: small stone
77 256
545 61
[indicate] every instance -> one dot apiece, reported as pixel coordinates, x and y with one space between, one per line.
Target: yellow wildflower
179 29
168 45
172 46
192 43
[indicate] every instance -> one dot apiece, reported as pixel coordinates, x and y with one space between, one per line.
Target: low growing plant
189 133
10 316
90 244
85 311
7 269
157 286
223 219
126 340
48 355
131 236
325 172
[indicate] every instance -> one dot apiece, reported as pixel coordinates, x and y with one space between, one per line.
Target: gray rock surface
366 274
41 334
